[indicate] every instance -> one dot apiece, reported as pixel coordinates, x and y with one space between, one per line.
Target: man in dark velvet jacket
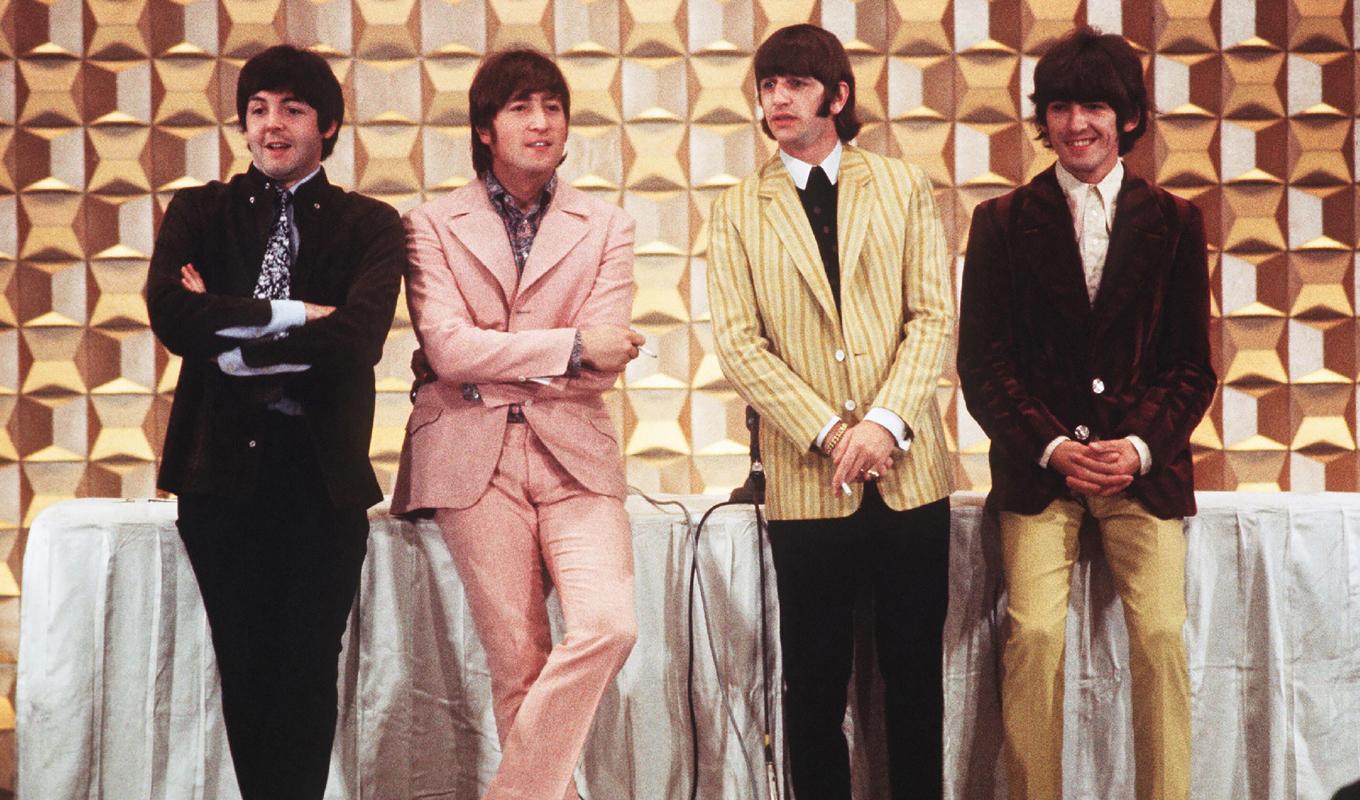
1084 355
277 289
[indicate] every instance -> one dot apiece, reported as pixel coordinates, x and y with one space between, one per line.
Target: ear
484 134
842 97
1131 123
329 133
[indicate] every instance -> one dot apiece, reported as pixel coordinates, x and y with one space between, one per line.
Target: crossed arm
455 348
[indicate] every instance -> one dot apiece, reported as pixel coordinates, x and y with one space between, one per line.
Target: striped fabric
778 333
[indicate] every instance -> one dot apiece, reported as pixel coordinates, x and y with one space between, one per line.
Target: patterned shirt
522 226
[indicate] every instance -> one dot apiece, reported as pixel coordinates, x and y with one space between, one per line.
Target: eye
767 84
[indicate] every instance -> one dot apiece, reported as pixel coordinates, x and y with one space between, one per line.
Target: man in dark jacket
277 289
1084 355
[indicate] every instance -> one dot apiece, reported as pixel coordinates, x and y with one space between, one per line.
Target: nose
538 118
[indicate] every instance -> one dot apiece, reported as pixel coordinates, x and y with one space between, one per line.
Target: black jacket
352 256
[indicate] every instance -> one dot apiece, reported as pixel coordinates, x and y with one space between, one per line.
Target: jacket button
251 443
849 405
840 355
252 201
1098 386
1082 433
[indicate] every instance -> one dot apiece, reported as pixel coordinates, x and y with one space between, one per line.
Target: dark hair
1088 66
807 51
503 77
285 68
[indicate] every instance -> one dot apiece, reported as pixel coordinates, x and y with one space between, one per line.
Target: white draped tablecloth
118 697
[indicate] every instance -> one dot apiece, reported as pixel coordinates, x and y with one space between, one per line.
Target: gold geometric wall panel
109 106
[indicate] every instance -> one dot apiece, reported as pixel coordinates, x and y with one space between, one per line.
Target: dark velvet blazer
1037 360
352 256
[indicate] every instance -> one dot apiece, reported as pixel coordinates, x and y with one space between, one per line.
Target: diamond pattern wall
108 106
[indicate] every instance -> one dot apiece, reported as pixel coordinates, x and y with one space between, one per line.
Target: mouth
541 144
1081 143
277 147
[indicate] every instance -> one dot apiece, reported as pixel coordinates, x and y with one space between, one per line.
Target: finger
1095 477
1081 486
847 470
1096 465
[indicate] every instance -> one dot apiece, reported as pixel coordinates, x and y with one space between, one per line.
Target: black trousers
821 565
278 573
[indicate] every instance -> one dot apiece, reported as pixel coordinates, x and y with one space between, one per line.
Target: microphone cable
695 581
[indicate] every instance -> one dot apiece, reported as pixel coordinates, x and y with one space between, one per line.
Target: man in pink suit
521 290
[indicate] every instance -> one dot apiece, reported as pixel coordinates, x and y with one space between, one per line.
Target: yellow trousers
1147 560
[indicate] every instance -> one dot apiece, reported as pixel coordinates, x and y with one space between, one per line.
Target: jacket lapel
564 225
1139 233
853 200
482 232
1049 246
311 203
784 212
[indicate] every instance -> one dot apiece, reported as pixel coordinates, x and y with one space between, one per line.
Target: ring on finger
871 474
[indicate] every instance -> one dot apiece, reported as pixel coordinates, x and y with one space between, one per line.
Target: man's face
527 137
790 104
282 136
1085 136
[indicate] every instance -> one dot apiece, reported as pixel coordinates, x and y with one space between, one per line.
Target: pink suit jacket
478 322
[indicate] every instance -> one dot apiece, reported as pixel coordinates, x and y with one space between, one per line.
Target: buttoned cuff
1048 451
1144 454
895 425
284 315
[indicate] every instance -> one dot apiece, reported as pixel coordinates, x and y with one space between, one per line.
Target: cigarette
645 351
845 487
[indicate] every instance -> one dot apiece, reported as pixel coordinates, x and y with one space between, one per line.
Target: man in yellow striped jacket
829 285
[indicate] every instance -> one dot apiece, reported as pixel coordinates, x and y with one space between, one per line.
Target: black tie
276 271
819 202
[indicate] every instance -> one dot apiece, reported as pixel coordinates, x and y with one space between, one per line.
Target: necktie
818 183
276 271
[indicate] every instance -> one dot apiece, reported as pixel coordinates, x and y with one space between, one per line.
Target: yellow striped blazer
796 359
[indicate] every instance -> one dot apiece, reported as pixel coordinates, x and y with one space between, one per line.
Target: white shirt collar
1108 186
293 189
800 170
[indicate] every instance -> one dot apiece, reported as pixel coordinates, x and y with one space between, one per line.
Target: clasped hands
864 452
1099 469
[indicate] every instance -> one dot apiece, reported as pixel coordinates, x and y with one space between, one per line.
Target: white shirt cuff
817 443
232 363
1048 451
284 315
1144 454
895 425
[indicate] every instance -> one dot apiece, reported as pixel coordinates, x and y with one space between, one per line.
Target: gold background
108 106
